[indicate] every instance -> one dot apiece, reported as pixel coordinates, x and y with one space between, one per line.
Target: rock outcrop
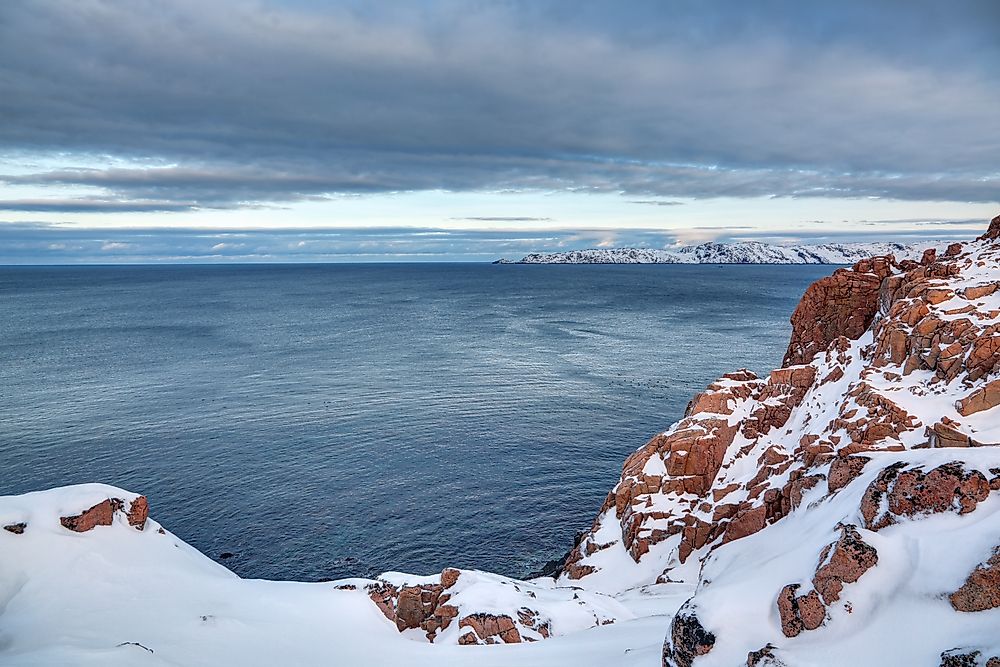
688 639
891 365
469 607
981 591
103 514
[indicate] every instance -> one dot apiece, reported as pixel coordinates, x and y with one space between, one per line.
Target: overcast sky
142 130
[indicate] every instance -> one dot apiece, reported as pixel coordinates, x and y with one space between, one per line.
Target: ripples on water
336 420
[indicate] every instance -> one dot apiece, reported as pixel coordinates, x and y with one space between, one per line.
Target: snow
92 598
899 612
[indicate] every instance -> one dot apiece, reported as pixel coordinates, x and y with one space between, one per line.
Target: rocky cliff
842 510
849 500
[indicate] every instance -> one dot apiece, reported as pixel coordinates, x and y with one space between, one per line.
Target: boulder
688 640
799 612
101 514
981 591
844 470
843 562
912 492
984 398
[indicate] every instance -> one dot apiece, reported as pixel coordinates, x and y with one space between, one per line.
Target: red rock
409 608
914 493
449 576
938 295
953 250
384 595
138 512
717 402
489 628
101 514
843 304
799 612
749 521
929 256
981 591
843 562
993 233
986 397
979 291
844 470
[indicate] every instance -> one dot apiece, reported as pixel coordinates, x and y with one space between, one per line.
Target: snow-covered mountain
843 510
744 252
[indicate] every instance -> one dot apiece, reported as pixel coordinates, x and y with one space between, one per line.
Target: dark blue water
335 420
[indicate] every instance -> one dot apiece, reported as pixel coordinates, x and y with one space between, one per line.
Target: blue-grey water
333 420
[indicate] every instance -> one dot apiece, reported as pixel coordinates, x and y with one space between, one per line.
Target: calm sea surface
336 420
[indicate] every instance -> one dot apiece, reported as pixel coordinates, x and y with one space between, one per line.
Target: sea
315 422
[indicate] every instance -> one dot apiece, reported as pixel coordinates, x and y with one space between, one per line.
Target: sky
423 130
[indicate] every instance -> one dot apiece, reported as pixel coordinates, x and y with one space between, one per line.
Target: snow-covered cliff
744 252
843 510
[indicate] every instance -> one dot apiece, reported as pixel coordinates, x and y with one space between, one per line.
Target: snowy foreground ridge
743 252
843 510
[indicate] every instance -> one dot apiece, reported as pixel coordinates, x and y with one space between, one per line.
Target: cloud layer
233 104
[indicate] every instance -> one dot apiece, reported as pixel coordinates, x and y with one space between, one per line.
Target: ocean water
323 421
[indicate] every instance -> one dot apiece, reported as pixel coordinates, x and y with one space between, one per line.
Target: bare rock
410 611
764 657
960 657
843 562
981 591
138 512
688 639
843 304
993 233
449 577
985 397
384 595
101 514
913 492
489 629
799 612
749 521
844 470
16 528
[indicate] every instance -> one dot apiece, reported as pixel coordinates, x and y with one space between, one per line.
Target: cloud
498 218
92 205
237 104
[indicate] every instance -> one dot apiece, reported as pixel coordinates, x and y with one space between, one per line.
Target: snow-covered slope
744 252
844 510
